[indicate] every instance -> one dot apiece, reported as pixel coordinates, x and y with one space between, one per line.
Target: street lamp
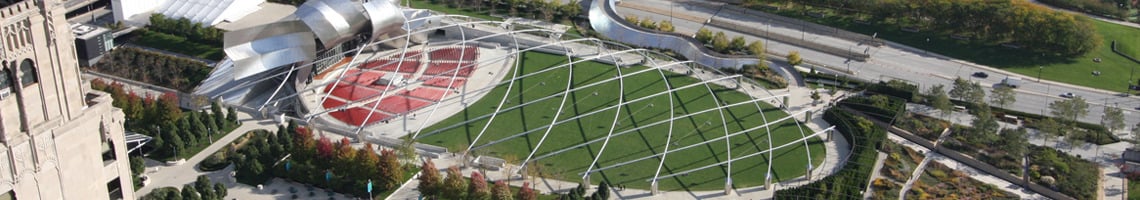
1039 68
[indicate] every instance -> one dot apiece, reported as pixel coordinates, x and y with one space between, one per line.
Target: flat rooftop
269 12
84 31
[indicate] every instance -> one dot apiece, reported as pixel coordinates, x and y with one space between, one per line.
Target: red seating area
468 53
391 65
425 93
449 69
332 103
440 81
356 115
362 77
409 55
352 92
399 104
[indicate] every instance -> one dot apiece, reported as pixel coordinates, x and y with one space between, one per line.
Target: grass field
1115 69
179 45
644 141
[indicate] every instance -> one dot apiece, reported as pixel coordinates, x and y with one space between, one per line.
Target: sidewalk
1107 156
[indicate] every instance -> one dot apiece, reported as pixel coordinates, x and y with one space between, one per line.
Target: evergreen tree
204 187
231 115
220 190
190 193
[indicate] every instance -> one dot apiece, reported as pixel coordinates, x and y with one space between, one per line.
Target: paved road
892 61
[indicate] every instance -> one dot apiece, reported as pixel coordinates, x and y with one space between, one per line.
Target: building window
115 189
29 76
5 80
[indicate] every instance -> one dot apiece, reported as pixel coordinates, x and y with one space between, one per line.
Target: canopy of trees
155 68
183 27
1008 21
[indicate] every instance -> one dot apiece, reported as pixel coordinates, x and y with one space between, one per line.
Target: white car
1068 95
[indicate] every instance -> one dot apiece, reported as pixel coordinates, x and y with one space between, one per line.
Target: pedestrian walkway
922 165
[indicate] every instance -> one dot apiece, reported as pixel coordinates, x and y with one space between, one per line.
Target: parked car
1068 95
981 75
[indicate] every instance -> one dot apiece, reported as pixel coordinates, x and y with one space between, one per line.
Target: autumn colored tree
431 185
501 191
324 147
526 193
478 189
390 169
454 184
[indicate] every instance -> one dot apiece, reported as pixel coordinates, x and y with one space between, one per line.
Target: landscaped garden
941 182
852 179
294 153
896 169
643 139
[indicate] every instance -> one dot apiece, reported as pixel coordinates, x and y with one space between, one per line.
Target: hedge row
850 181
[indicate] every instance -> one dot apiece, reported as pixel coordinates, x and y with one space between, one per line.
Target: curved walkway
605 20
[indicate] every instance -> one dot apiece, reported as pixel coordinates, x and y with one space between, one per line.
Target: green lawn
179 45
645 141
1133 189
425 4
1115 70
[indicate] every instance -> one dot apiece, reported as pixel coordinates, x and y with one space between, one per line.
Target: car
1068 95
981 74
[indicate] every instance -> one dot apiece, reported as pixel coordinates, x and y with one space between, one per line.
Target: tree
665 26
324 147
984 125
648 24
478 189
815 96
794 58
603 191
391 171
720 42
454 184
430 183
526 193
1003 96
1014 142
738 43
1113 118
1049 128
231 115
757 48
1069 110
220 190
501 191
138 165
939 99
704 36
633 20
190 193
967 91
1074 138
205 189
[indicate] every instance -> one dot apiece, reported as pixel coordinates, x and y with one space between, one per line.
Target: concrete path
918 170
867 192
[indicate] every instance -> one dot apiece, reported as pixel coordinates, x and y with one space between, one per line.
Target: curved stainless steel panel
385 16
262 48
333 21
